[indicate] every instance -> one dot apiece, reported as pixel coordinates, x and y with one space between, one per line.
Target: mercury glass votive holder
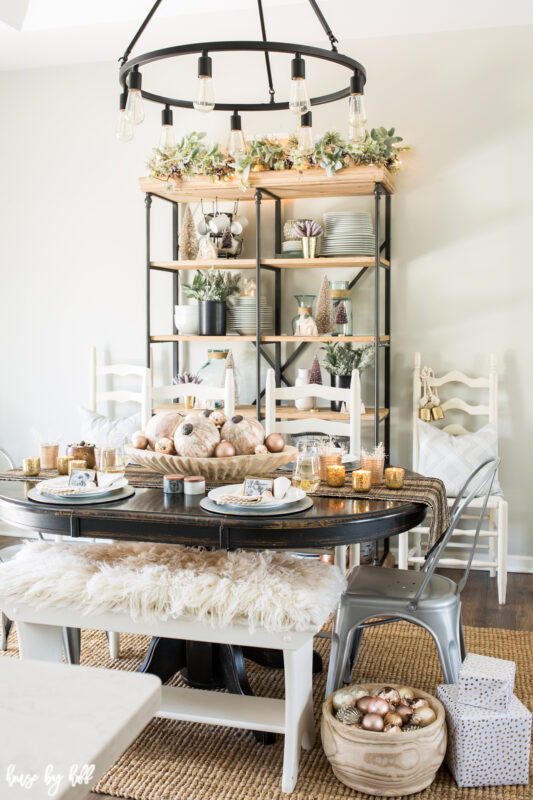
336 475
394 477
31 466
76 463
375 465
62 464
361 480
325 460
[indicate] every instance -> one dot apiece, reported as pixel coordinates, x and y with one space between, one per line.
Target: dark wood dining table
152 516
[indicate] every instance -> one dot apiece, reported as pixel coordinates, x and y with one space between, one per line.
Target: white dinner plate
98 491
293 495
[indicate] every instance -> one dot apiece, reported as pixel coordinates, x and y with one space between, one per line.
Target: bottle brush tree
188 240
324 317
315 376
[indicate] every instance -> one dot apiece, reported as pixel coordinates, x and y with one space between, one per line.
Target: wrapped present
486 747
486 682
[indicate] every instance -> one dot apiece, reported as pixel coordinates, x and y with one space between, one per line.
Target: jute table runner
417 489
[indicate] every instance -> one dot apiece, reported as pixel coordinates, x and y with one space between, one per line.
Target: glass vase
303 324
343 314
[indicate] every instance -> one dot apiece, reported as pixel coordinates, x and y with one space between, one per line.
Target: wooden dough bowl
383 764
215 469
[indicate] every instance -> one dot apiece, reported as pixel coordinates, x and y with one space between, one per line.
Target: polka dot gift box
486 748
486 682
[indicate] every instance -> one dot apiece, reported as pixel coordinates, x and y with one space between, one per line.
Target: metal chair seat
379 596
398 587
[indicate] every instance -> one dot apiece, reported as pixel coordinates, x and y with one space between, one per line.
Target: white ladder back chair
492 556
199 391
315 424
142 397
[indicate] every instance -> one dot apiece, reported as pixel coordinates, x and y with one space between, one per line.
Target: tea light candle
76 463
194 484
394 477
31 466
361 480
62 464
336 474
173 484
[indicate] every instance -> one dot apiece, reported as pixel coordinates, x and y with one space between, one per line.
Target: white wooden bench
265 600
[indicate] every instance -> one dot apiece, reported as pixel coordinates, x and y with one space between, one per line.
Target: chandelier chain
271 89
140 32
321 18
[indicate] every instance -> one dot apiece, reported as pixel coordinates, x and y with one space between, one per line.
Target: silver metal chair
421 597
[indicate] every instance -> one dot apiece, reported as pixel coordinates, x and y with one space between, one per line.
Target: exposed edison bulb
306 142
124 131
357 118
135 107
204 99
236 141
299 102
167 140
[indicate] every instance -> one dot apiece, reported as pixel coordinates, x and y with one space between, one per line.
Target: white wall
72 236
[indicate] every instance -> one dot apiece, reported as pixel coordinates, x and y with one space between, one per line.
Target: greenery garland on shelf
192 156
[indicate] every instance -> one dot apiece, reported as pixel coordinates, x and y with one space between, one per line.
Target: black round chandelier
299 103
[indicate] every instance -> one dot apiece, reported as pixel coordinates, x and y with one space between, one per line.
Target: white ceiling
35 33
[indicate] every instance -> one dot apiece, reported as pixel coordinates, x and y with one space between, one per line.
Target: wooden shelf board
282 263
285 184
177 337
287 412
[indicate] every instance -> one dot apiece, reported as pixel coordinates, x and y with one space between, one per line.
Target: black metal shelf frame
382 365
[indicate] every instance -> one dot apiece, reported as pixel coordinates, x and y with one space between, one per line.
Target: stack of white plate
243 315
348 233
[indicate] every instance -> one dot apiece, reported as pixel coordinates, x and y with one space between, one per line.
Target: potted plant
309 232
341 359
212 288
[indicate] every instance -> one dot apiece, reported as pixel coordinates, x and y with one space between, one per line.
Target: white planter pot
302 379
186 319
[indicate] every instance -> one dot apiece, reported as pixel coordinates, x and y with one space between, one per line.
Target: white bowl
186 319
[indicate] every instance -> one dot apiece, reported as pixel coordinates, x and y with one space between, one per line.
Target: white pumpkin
245 433
162 426
196 437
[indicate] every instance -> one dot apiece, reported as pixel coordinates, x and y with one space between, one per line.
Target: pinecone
409 728
349 715
287 163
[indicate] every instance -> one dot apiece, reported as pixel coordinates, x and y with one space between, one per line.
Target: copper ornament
393 719
224 450
405 712
424 716
378 705
362 703
275 442
373 722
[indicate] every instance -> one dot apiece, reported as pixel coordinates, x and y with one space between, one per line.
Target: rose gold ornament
139 440
373 722
362 703
378 706
224 450
275 442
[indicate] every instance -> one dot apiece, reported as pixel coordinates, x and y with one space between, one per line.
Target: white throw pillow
452 458
98 429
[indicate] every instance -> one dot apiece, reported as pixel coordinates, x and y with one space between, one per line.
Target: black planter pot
212 317
340 382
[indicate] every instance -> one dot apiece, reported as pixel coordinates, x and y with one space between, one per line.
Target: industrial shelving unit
276 186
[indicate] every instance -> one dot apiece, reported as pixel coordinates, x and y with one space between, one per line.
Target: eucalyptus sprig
191 156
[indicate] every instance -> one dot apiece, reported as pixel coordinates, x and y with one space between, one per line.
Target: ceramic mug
202 227
236 227
219 223
242 221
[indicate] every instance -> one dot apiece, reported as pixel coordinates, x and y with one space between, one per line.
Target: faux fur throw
275 590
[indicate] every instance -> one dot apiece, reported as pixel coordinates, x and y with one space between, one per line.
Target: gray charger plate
247 511
121 494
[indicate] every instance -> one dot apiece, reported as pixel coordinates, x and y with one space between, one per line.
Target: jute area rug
186 761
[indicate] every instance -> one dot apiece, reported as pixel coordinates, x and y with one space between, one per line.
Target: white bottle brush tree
188 240
325 316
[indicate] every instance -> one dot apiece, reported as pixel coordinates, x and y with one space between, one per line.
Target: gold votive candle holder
394 477
62 464
375 466
336 475
31 466
76 463
326 460
361 480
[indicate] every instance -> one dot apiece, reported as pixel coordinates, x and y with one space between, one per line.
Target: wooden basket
230 469
383 764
